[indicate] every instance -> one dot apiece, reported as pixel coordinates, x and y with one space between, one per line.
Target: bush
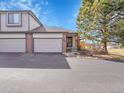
86 52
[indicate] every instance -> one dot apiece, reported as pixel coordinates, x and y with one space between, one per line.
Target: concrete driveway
86 75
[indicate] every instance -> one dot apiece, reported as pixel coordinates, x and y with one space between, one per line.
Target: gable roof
41 28
27 11
30 13
57 29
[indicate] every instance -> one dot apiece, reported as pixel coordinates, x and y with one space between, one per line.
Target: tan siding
24 26
33 23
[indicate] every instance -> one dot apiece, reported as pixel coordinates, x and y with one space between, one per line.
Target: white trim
12 35
20 19
48 35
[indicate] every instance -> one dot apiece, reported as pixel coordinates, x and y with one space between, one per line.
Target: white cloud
37 7
21 5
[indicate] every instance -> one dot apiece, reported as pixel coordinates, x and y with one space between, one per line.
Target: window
69 41
14 19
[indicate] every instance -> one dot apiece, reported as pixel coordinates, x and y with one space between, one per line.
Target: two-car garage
41 42
47 42
47 45
12 43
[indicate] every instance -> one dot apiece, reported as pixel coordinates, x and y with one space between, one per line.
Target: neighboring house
111 45
21 31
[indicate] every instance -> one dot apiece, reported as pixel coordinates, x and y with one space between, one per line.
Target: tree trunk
105 39
105 47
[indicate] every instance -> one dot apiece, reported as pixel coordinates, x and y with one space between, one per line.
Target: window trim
14 25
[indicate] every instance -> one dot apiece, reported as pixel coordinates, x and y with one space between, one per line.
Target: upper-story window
14 19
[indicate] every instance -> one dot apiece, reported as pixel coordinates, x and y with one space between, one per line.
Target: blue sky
60 13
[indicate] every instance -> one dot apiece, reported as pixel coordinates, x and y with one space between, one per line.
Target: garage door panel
11 35
12 45
47 45
48 35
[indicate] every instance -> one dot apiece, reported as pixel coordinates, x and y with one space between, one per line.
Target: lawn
114 55
119 52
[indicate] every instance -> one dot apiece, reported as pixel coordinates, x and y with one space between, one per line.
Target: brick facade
29 43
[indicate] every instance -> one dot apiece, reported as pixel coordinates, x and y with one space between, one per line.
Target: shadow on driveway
39 61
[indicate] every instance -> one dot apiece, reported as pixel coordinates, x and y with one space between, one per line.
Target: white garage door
12 45
47 45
